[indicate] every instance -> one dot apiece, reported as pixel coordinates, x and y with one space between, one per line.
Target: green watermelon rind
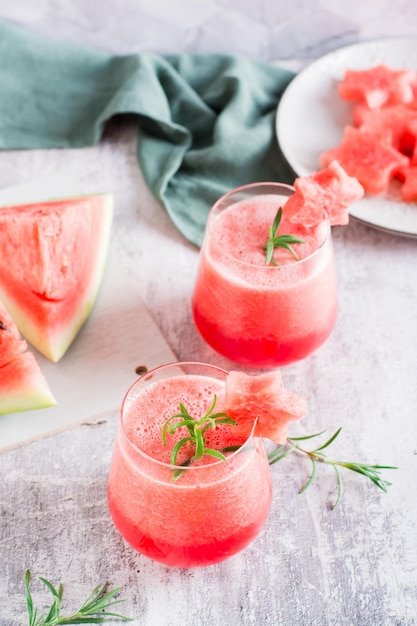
23 386
55 346
31 393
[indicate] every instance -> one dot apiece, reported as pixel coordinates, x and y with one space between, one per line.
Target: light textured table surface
354 566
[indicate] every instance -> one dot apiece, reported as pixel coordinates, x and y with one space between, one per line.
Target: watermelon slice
22 384
330 190
378 86
366 157
53 256
262 398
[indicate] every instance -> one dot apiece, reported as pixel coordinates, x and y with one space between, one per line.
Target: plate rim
310 68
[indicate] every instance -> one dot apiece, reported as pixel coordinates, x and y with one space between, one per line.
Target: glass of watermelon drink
256 314
193 513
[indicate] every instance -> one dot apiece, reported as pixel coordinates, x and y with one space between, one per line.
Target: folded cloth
205 121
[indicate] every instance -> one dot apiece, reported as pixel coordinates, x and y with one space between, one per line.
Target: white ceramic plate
311 118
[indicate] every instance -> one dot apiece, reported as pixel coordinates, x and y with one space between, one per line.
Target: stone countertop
356 565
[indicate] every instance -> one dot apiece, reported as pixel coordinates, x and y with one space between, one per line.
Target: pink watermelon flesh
367 158
22 384
410 140
329 191
390 123
378 86
53 256
409 187
386 117
262 398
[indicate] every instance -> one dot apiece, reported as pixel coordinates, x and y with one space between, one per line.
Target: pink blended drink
256 314
215 507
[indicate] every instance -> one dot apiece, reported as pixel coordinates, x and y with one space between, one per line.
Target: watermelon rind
53 335
23 386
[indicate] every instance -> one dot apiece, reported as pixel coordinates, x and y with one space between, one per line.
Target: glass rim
287 266
248 186
170 466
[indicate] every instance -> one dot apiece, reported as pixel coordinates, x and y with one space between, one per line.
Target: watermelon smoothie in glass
256 314
213 508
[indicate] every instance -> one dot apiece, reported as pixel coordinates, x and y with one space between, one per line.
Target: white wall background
263 29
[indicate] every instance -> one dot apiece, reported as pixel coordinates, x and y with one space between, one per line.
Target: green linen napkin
206 121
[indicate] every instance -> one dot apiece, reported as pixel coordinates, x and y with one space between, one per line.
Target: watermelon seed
2 325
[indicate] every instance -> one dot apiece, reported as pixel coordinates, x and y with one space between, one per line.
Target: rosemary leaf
197 429
94 610
372 472
279 241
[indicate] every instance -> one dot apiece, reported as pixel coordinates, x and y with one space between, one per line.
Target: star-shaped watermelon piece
330 190
366 157
262 399
378 86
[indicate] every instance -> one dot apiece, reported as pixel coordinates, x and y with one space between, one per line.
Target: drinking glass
184 515
256 314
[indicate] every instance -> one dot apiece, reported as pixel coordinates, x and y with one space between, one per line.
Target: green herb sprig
197 429
94 610
279 241
317 456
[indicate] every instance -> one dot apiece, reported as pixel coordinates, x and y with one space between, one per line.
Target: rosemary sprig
197 429
92 611
317 456
279 241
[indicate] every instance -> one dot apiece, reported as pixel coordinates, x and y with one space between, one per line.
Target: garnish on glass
317 456
197 437
94 610
197 430
279 241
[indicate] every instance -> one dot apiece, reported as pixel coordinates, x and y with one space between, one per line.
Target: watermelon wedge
329 191
378 86
53 256
262 398
22 384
